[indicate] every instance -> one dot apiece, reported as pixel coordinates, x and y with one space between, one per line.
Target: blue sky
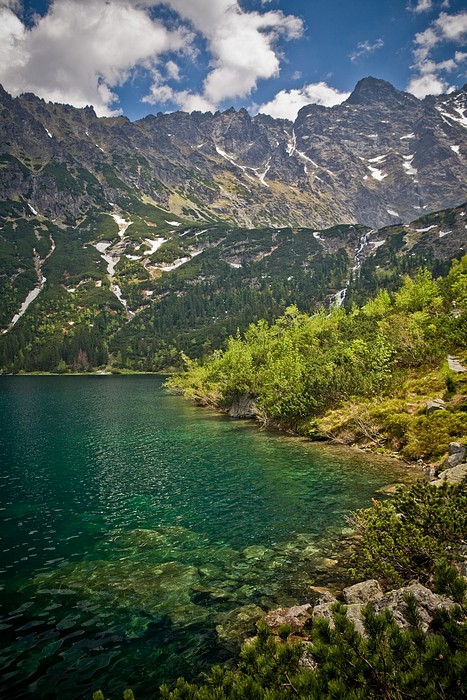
143 56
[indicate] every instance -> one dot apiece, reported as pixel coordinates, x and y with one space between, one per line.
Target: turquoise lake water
134 526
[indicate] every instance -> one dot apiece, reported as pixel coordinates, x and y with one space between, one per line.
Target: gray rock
455 365
326 597
428 603
307 660
452 476
364 592
323 610
454 460
435 405
456 455
243 406
455 448
354 614
296 616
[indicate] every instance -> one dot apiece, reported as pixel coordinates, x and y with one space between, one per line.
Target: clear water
135 526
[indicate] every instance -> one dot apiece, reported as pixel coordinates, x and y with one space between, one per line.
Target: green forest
229 277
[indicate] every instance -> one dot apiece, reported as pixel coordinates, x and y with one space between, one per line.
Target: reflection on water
133 525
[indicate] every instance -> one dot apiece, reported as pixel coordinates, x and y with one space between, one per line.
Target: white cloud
452 27
190 102
430 77
287 103
421 6
242 46
366 48
78 52
424 43
428 84
15 5
173 70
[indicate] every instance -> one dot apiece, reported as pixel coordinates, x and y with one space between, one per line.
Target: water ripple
133 524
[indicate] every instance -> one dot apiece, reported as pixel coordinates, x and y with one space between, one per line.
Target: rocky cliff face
380 158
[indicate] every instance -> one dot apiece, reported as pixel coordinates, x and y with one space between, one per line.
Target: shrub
429 436
387 662
407 537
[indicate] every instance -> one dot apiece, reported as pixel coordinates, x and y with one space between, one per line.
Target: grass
399 423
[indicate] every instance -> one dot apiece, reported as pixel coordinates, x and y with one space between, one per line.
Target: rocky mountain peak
369 90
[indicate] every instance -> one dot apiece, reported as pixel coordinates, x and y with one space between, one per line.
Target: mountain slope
116 291
381 157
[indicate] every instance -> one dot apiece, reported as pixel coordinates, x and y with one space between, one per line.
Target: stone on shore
243 406
427 604
455 475
456 455
296 617
364 592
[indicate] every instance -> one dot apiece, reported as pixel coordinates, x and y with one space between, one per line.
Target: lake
135 526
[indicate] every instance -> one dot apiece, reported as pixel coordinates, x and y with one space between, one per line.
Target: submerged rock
238 624
257 551
152 588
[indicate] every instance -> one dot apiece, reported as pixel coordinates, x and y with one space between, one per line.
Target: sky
136 57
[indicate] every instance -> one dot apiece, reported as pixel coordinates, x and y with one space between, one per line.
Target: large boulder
456 447
456 455
427 604
296 617
243 406
452 476
353 612
364 592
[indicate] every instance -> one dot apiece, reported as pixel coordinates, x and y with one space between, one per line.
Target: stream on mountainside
135 527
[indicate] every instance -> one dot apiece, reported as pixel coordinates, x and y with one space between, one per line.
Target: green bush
341 664
410 535
429 436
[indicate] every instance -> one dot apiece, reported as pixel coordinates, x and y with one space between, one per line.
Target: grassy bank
362 377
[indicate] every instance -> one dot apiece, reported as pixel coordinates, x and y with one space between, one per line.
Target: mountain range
381 157
123 243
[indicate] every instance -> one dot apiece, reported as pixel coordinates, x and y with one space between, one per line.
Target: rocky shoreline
299 618
455 468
